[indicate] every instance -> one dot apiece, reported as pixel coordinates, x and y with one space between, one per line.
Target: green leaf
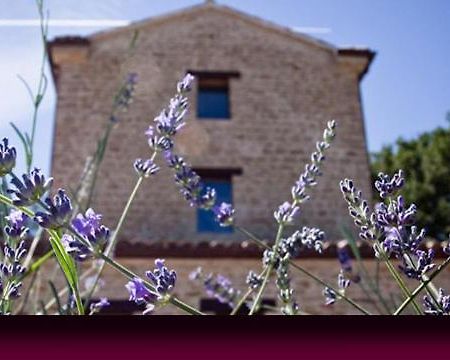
56 296
67 266
21 137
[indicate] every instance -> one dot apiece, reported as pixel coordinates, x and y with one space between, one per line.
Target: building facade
262 98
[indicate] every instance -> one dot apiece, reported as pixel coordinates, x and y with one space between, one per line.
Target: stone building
263 95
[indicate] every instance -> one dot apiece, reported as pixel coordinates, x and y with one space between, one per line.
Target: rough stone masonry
285 87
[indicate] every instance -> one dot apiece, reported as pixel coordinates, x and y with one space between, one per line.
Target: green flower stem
114 238
373 287
268 273
244 298
185 307
431 289
422 286
242 301
98 158
42 85
307 273
397 277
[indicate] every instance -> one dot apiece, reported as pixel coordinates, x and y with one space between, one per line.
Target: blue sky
406 92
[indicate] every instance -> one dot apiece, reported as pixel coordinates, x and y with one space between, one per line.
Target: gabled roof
212 6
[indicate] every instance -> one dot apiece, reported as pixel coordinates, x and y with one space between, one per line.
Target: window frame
225 174
217 80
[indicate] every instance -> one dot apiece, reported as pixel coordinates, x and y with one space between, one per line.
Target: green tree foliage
426 162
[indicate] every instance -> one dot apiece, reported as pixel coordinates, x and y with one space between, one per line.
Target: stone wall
288 89
308 292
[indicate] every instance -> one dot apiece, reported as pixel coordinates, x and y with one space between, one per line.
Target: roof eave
366 53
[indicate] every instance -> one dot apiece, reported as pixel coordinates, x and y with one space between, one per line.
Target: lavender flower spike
86 224
138 292
285 213
145 168
171 119
96 307
387 186
59 212
162 278
330 295
89 227
125 96
224 214
308 178
7 158
221 288
31 189
444 304
185 84
16 224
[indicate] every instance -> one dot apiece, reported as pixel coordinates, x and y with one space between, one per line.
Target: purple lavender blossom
308 178
59 212
173 160
396 223
150 132
253 280
387 186
160 143
330 295
139 293
185 84
359 210
145 168
89 227
13 255
162 278
444 304
99 305
125 96
396 213
344 260
424 264
16 224
286 213
86 224
7 158
224 214
346 264
11 268
285 291
30 189
196 274
221 288
309 238
171 119
191 186
76 248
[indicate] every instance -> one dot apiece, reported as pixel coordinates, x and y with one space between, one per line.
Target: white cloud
64 23
312 30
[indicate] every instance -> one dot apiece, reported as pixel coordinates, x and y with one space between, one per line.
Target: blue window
205 218
213 100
